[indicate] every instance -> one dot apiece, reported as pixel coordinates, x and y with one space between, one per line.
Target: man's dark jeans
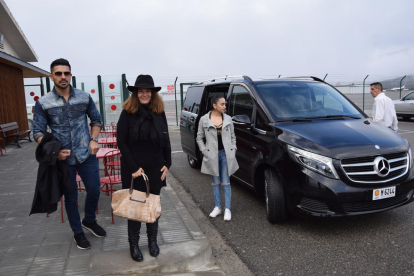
89 172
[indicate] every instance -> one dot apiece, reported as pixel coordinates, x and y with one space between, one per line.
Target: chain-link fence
109 92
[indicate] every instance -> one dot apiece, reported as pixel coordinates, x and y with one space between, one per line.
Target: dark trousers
89 172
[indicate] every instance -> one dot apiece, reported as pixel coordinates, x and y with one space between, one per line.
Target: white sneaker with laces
227 215
216 212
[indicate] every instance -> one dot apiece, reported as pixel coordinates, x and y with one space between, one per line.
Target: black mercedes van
309 149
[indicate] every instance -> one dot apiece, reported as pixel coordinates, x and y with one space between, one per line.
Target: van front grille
373 205
376 169
314 205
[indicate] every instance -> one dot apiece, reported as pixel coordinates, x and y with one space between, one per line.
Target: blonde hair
132 103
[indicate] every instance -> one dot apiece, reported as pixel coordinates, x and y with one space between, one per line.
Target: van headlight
313 161
410 154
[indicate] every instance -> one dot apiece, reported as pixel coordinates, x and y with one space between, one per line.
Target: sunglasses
58 74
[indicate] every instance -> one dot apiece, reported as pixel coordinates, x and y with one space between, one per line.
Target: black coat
53 179
141 154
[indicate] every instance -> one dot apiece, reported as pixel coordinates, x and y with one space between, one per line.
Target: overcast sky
200 38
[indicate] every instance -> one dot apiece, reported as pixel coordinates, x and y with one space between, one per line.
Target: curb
223 255
186 257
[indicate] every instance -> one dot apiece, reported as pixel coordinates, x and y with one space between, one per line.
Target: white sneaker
216 212
227 215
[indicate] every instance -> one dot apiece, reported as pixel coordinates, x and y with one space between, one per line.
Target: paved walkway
40 245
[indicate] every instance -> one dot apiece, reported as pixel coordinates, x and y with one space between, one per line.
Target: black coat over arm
53 179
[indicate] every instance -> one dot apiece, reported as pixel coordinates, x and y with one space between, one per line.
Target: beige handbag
135 205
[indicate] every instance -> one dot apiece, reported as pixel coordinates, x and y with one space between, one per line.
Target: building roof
15 35
29 70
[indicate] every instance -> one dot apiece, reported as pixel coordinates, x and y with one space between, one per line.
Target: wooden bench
13 126
4 146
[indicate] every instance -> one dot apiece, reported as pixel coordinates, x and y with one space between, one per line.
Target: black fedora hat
144 81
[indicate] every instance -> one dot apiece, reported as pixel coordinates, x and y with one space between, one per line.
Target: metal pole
42 89
125 91
83 86
101 104
175 94
363 94
325 77
181 94
74 81
401 83
48 84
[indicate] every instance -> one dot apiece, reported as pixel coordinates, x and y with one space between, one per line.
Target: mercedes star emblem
377 147
381 166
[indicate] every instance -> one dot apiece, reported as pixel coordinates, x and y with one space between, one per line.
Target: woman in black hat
144 142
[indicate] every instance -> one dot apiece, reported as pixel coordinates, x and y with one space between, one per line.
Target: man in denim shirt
64 110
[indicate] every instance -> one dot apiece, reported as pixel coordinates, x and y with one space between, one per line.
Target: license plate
383 193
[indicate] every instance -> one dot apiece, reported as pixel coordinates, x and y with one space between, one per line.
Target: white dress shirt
383 112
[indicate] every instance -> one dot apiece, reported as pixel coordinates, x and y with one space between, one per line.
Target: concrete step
188 256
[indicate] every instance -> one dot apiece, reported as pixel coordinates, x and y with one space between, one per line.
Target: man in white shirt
383 110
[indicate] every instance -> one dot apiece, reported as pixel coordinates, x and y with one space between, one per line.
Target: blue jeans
222 180
89 172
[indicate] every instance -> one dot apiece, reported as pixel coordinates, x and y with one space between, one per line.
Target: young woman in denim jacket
219 152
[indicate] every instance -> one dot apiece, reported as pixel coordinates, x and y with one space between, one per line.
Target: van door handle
192 119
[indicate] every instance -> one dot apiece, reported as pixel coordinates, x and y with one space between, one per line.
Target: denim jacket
68 121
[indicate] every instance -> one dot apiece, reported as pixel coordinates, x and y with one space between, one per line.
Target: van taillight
32 109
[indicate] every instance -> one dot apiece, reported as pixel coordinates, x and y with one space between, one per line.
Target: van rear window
193 98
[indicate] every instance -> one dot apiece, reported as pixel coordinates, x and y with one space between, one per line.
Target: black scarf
150 127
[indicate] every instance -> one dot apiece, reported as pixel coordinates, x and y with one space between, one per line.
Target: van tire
193 163
275 198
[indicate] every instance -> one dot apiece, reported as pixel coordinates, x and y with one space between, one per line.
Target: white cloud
211 38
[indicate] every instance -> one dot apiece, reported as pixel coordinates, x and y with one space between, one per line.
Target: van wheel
275 198
193 163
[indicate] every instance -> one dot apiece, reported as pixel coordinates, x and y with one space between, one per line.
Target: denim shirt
68 121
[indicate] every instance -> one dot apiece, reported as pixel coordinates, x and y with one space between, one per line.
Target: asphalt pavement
376 244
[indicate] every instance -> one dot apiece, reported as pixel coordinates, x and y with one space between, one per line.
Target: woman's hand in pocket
138 173
164 172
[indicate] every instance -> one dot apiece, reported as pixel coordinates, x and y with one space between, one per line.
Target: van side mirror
241 121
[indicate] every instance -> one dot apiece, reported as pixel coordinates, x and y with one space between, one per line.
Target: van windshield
293 99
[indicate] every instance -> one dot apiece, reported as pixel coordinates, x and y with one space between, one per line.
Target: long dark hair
215 99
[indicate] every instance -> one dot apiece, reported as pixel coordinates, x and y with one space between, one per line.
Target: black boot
133 238
152 231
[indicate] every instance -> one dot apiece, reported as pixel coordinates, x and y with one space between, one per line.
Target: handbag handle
131 189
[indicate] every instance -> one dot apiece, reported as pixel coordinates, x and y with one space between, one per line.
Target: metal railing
109 92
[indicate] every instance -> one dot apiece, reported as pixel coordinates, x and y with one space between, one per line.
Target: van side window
241 103
192 99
